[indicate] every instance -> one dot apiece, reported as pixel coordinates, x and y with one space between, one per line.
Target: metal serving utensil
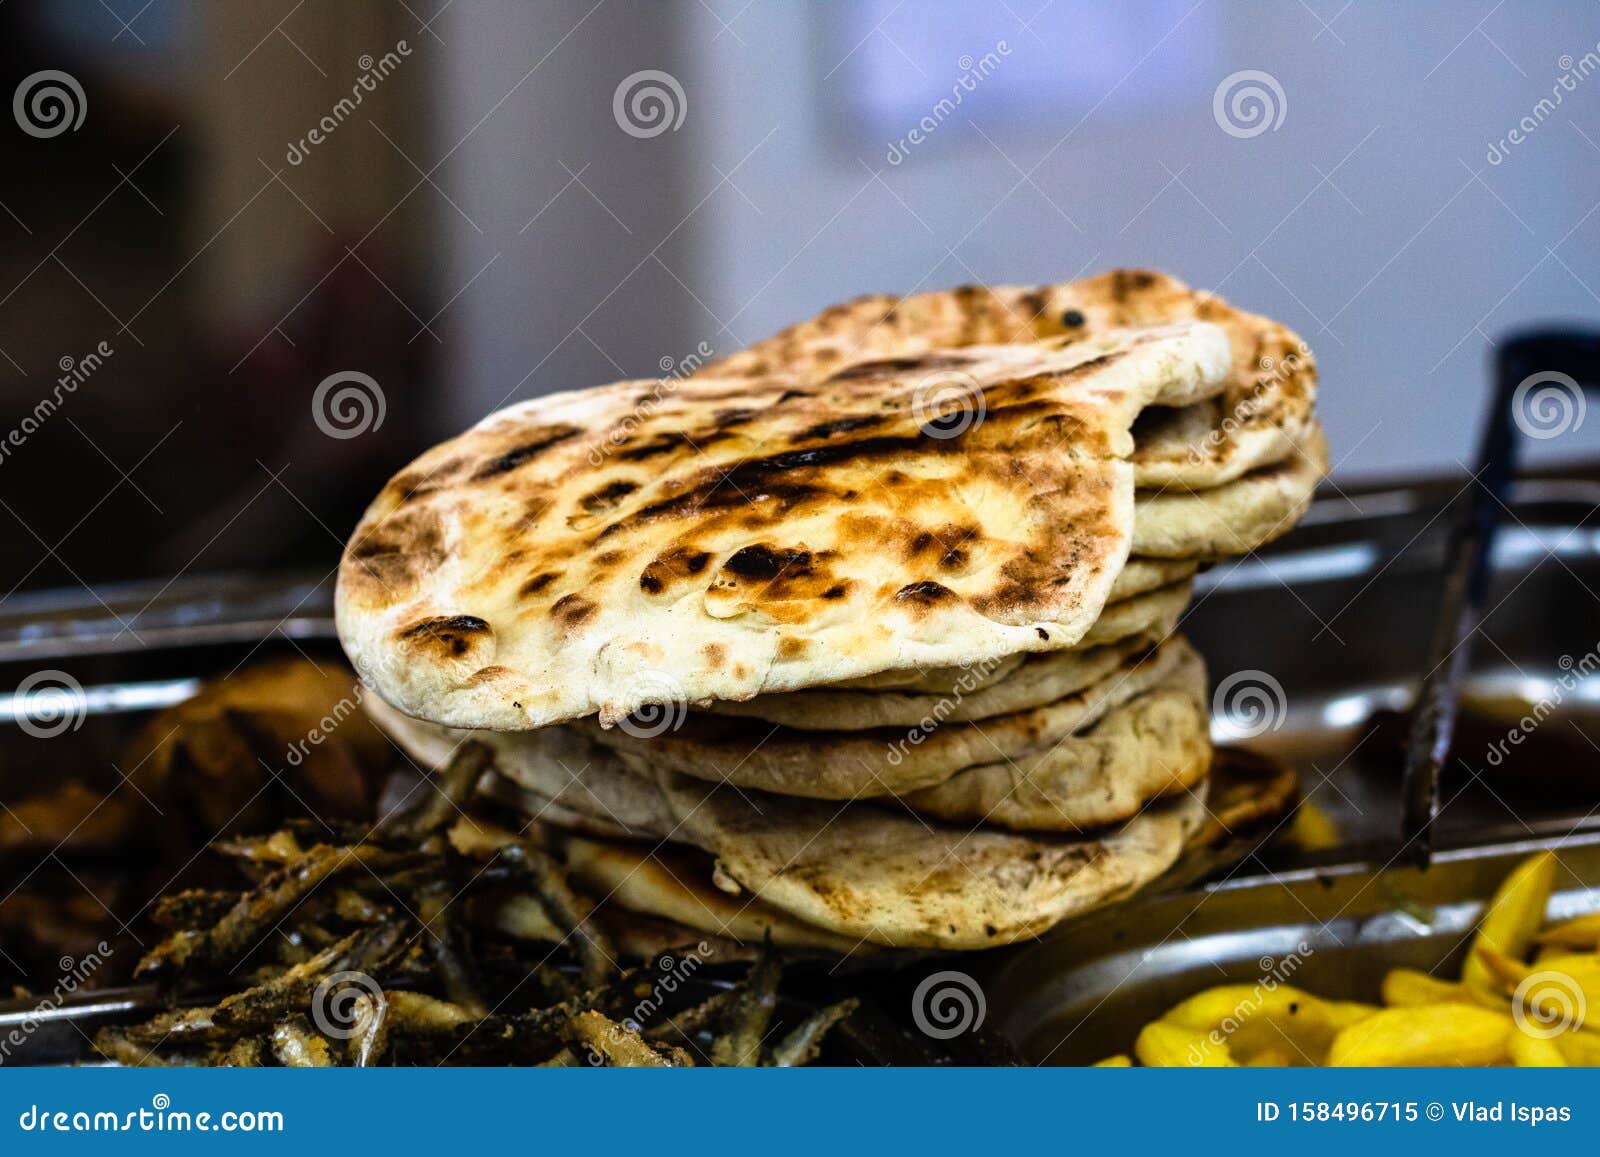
1566 359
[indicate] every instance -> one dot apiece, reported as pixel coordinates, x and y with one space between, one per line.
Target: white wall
1370 219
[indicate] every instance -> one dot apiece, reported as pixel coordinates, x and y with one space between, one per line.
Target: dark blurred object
1527 367
82 855
174 285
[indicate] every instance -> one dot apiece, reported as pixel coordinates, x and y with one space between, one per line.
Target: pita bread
1235 518
1140 576
865 870
1040 679
752 754
1265 410
1152 746
637 544
892 879
1156 613
674 883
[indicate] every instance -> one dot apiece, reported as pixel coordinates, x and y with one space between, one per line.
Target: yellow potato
1162 1044
1348 1012
1503 973
1312 830
1579 932
1511 918
1582 1049
1120 1061
1533 1052
1559 990
1439 1034
1270 1059
1253 1019
1408 988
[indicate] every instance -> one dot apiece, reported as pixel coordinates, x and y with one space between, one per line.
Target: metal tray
1085 990
1337 615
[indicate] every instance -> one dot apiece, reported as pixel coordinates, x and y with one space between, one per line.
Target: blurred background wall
529 197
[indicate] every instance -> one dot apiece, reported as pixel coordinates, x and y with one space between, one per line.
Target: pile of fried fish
863 638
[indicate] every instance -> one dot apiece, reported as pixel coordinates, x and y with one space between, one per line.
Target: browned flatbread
873 872
1264 412
597 551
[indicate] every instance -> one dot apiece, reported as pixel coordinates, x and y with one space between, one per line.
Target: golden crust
650 542
1264 410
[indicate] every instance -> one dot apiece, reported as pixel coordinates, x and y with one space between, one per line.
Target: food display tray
1333 621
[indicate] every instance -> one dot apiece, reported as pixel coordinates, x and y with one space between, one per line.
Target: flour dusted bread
863 637
873 873
597 551
1264 411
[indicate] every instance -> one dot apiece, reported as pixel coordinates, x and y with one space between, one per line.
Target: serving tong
1563 359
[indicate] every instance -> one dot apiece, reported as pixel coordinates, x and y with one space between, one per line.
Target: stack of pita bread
865 636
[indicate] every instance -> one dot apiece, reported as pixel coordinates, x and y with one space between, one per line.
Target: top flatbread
650 542
1263 413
